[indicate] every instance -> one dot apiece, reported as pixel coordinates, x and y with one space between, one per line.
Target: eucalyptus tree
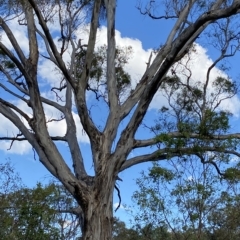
186 197
112 144
38 213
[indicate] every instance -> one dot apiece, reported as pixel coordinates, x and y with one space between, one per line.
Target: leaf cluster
98 82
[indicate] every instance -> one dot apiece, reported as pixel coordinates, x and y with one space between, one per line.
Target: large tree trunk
98 214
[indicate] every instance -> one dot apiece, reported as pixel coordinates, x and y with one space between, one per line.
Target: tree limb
86 121
154 141
13 41
51 56
56 138
71 137
166 153
52 45
13 117
148 92
113 120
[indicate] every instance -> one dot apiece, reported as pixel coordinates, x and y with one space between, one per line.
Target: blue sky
144 34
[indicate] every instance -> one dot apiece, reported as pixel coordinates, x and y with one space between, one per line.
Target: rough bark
98 215
94 193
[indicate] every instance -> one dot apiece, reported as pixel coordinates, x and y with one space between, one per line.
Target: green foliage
157 172
34 214
120 231
198 206
172 82
193 116
98 68
214 122
225 85
224 220
232 174
9 64
28 215
5 62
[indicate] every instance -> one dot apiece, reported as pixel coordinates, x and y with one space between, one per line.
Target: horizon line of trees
167 205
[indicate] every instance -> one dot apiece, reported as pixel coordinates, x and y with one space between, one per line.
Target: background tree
224 219
189 199
9 182
43 212
112 144
120 231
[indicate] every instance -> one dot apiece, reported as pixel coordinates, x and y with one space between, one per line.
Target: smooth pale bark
95 193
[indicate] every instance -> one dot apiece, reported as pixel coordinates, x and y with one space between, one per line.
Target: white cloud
198 66
137 63
8 129
20 33
48 73
56 128
16 147
49 77
116 205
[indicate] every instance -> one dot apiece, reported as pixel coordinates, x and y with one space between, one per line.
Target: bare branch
181 21
51 56
86 121
52 45
56 138
154 141
178 45
23 114
203 161
8 113
149 61
33 43
24 91
13 41
13 58
113 120
147 11
155 156
119 197
82 83
71 137
111 52
166 153
13 93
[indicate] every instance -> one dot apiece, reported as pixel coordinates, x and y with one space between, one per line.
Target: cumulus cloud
20 33
8 129
16 147
197 64
137 62
58 128
49 76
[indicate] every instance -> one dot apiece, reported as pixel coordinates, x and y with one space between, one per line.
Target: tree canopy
192 122
188 199
41 212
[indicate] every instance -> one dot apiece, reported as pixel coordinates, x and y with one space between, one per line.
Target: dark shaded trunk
98 215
